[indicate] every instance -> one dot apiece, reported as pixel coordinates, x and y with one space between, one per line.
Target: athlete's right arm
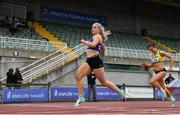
147 65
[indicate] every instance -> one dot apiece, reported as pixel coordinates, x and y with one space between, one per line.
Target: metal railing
132 53
42 60
27 44
51 62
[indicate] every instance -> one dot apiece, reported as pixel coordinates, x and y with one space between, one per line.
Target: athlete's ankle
172 98
121 93
81 97
163 91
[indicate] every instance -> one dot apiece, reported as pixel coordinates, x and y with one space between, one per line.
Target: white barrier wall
118 78
139 92
129 78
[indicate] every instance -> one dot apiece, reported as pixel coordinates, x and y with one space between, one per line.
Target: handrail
60 56
125 49
44 58
7 39
12 42
45 68
132 53
52 62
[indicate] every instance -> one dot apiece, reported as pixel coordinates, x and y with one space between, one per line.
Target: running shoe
79 101
173 102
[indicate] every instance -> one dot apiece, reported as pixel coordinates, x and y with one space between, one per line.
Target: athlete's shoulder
162 53
98 37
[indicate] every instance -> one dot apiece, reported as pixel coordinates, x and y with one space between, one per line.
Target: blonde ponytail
103 32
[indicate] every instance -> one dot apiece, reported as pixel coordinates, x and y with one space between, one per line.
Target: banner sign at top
71 16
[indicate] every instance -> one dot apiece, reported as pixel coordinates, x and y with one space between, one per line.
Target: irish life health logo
9 95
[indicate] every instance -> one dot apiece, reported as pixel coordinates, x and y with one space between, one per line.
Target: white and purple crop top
97 47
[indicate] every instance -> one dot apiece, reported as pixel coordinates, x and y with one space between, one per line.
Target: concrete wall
25 57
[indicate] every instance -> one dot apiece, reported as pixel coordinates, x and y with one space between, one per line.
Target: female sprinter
94 62
160 72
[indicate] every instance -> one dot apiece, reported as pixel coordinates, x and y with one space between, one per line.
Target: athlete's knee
104 83
78 76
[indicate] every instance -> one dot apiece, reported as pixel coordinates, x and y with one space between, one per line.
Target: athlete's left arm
103 48
171 60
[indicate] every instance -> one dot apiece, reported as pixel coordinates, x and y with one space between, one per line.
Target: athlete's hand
170 69
82 41
143 65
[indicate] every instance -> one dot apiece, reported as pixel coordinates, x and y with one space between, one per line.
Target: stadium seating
25 33
127 41
69 34
72 35
169 42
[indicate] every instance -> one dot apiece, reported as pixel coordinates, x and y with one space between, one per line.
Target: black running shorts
95 62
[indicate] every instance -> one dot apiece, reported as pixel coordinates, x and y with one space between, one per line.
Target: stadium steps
167 48
51 38
46 34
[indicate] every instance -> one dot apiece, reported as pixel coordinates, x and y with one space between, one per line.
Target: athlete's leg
100 74
161 82
154 81
172 99
82 71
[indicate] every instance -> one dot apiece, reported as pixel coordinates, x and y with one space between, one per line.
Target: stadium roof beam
173 3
